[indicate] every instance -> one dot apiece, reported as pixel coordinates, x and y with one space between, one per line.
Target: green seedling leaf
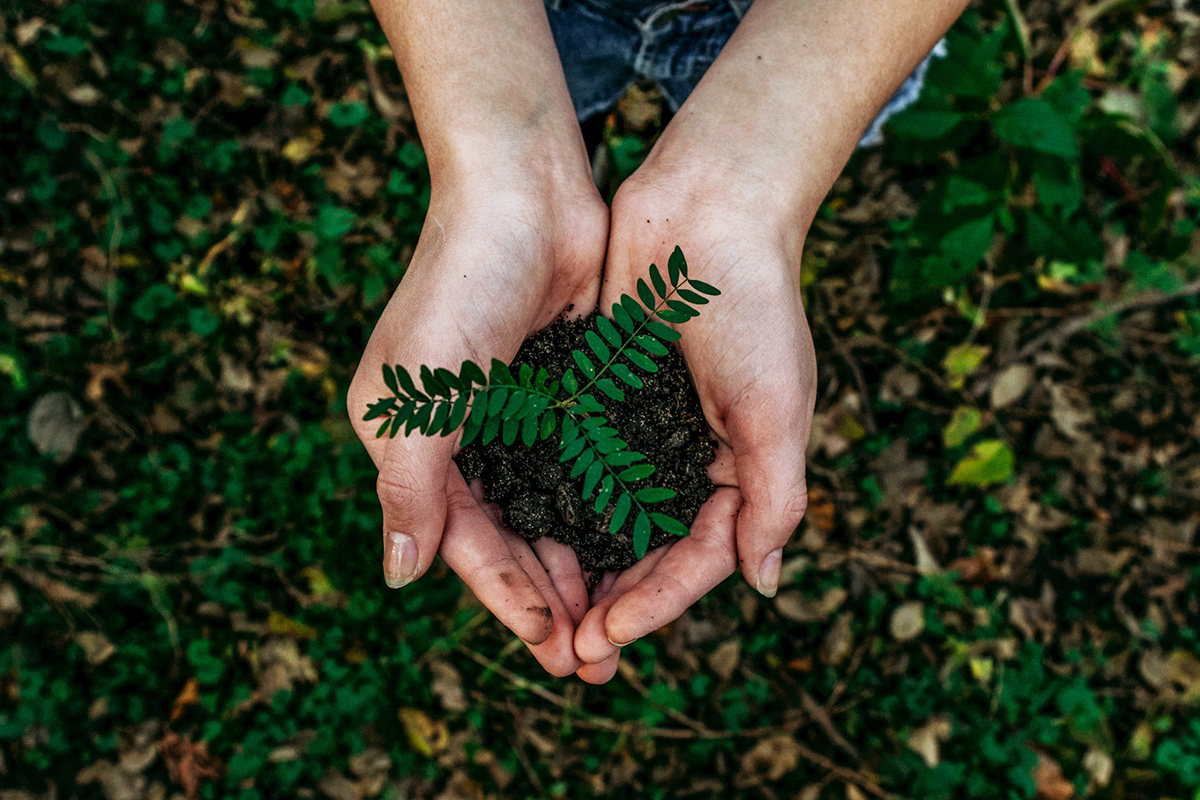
660 286
669 524
620 512
608 331
389 378
706 288
597 346
636 473
644 293
626 375
653 494
585 365
641 534
611 389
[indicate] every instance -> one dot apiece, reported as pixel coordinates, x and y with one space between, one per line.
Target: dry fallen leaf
725 659
769 760
188 762
908 621
1011 385
427 736
96 647
447 687
1049 780
795 606
926 740
55 424
188 696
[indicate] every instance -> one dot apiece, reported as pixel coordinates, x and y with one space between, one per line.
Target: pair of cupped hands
503 252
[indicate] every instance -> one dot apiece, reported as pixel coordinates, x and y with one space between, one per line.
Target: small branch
1057 336
859 380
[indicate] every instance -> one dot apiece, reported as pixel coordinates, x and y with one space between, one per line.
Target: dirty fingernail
399 559
768 573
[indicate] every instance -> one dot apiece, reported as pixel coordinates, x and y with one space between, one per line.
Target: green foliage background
203 207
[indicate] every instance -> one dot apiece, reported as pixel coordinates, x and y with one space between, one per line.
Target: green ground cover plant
204 206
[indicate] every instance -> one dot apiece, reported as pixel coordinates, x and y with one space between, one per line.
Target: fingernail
399 559
619 644
768 573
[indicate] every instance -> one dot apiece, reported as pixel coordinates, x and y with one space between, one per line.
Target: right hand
499 257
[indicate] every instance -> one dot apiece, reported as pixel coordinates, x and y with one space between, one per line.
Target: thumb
412 491
770 472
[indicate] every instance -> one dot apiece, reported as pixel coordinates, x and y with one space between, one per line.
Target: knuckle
397 491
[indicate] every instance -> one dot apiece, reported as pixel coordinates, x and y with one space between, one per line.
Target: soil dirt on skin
534 490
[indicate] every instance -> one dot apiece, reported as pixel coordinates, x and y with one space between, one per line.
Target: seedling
523 403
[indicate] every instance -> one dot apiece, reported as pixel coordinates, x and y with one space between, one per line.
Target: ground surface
203 207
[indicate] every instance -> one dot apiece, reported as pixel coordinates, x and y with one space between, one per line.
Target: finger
556 653
599 673
562 566
688 571
769 451
604 587
474 549
723 469
412 491
591 641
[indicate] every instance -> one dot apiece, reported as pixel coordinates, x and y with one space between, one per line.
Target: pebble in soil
535 492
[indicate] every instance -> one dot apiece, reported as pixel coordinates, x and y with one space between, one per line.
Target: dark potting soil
538 497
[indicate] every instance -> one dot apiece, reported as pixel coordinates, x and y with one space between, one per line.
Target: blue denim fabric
605 45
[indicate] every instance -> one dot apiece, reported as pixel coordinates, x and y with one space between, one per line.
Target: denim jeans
605 45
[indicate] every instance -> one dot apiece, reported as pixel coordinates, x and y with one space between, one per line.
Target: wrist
738 172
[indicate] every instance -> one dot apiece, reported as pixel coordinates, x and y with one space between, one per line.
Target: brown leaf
1049 780
188 696
96 647
10 604
820 513
188 762
725 659
447 687
769 760
839 641
1011 385
795 606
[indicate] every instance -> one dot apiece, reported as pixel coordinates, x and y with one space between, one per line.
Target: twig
1059 334
820 715
859 380
595 722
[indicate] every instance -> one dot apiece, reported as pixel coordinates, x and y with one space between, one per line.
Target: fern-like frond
529 406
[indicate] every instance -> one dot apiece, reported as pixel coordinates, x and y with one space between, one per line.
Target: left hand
751 357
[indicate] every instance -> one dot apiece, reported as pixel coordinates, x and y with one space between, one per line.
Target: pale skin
517 233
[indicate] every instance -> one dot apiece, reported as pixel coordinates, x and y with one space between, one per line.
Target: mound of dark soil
538 497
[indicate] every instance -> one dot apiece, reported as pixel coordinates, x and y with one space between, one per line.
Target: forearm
783 106
486 88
